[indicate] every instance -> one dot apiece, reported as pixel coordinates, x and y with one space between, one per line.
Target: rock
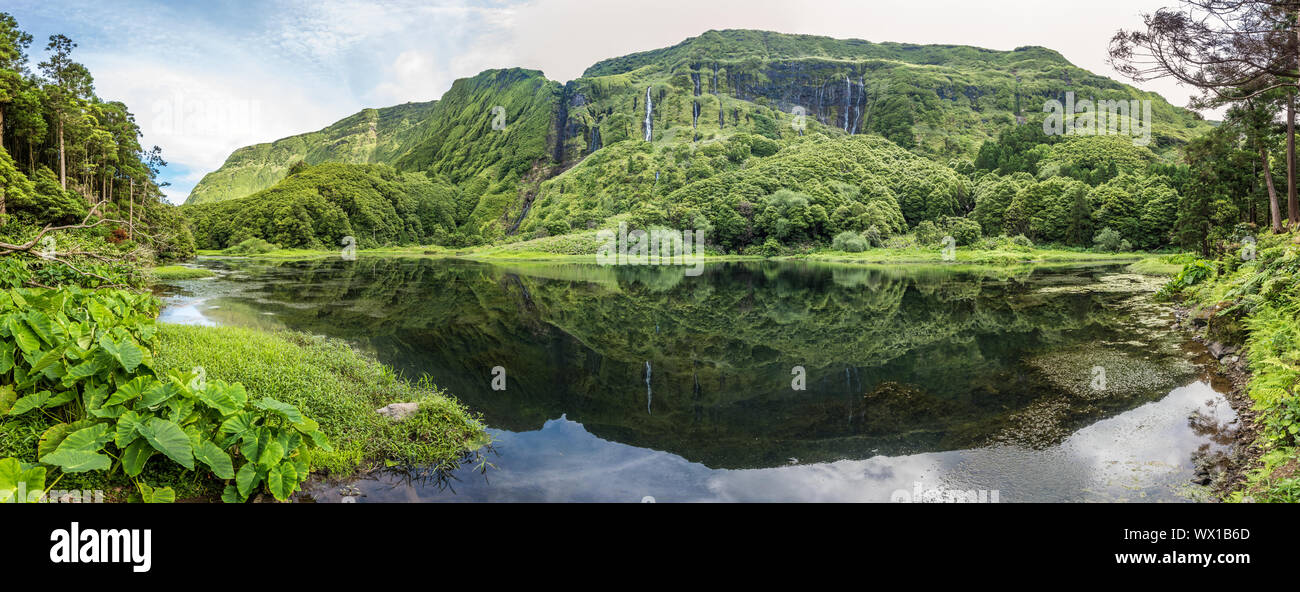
1217 349
399 411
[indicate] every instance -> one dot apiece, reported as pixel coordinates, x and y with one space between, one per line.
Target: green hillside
371 136
319 205
730 117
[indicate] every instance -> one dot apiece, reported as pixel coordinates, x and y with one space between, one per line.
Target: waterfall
857 106
848 100
649 396
695 106
649 110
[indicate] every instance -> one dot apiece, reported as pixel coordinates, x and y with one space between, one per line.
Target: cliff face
498 135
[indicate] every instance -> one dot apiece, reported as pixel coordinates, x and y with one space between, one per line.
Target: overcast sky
281 67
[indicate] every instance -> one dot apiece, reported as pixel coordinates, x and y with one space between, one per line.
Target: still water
762 381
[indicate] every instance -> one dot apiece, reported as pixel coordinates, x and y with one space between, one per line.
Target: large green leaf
48 358
135 456
125 432
126 353
16 476
238 425
82 371
30 402
216 459
7 398
280 484
131 390
157 495
55 435
41 325
271 454
159 393
60 398
169 439
220 397
80 451
247 479
285 410
23 335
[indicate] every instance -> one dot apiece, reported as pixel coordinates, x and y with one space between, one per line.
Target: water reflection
628 382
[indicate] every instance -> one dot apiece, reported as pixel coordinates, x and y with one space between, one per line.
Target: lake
762 381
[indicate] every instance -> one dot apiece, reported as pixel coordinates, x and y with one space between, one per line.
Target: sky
204 78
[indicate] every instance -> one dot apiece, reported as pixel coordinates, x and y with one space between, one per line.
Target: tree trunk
1273 208
130 220
63 169
1290 160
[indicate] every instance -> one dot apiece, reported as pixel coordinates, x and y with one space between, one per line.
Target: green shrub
928 234
963 230
1108 240
252 246
849 242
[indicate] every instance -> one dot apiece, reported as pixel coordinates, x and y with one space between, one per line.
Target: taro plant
20 482
84 359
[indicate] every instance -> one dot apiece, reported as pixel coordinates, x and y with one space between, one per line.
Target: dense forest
72 161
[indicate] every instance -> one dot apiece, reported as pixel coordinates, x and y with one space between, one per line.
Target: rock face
399 411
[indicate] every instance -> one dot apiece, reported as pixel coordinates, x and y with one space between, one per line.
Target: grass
969 256
1158 266
581 248
180 272
335 385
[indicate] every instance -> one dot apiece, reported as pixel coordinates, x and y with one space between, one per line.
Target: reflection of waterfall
649 396
649 110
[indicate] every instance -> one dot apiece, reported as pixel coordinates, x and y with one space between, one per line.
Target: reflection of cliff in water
896 361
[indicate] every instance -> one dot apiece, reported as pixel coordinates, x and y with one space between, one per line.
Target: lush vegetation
1251 298
371 136
318 206
722 139
65 153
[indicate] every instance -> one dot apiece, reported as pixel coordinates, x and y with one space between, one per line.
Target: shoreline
1246 452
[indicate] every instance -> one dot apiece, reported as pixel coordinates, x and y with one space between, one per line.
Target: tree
1254 117
13 61
1232 50
69 83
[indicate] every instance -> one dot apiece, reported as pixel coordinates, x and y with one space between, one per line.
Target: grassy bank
970 256
581 248
333 384
96 395
180 272
1255 303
